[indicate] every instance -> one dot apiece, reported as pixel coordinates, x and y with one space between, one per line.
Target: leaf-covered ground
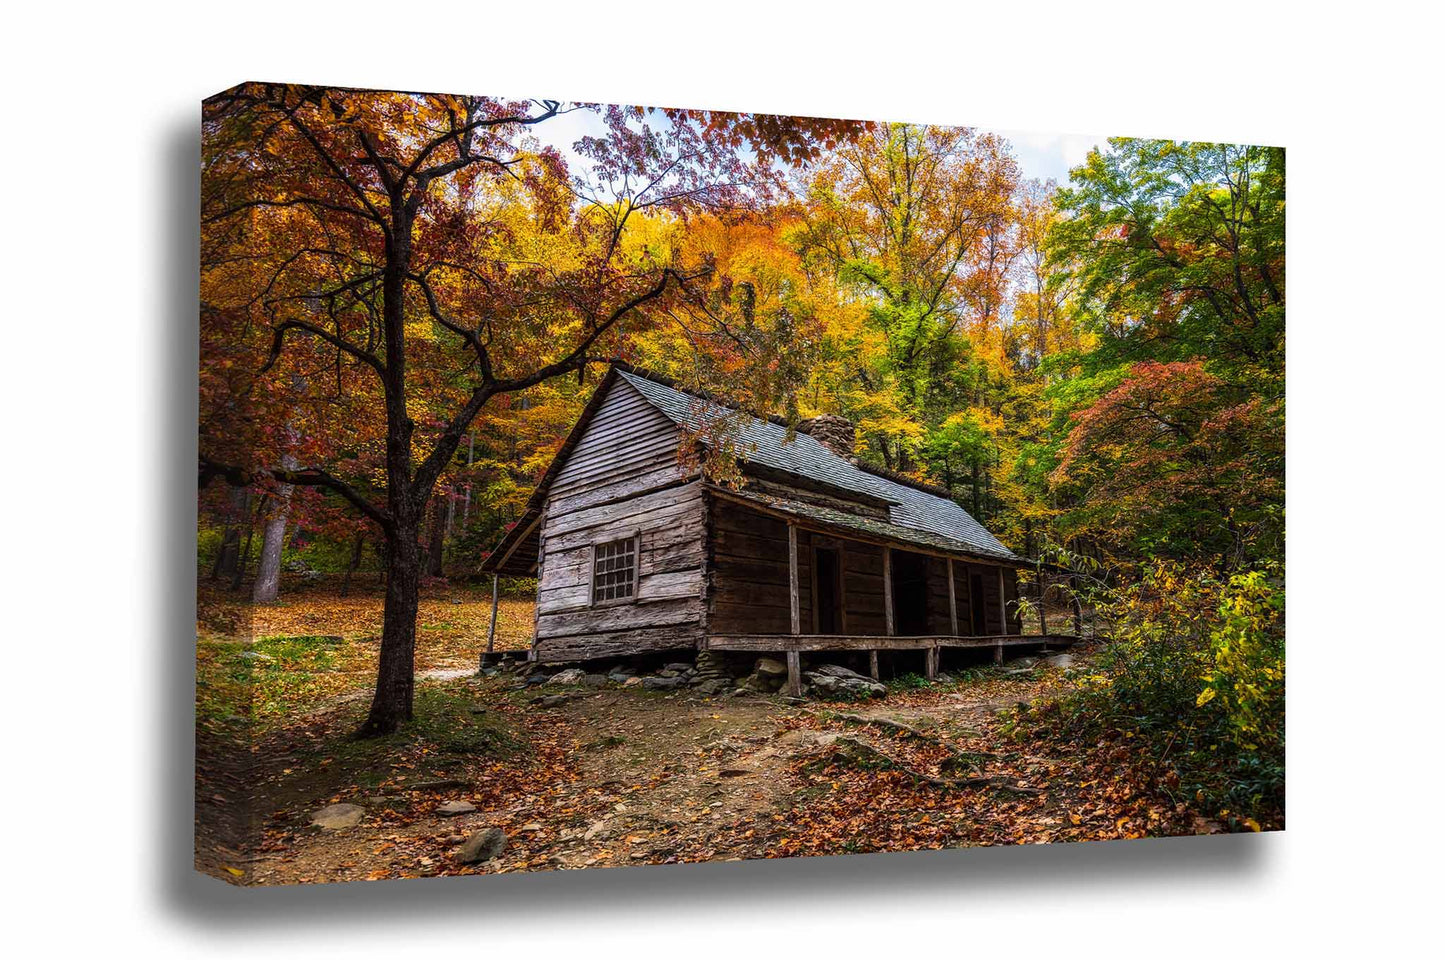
269 662
623 776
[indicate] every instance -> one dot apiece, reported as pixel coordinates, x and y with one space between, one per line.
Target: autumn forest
406 300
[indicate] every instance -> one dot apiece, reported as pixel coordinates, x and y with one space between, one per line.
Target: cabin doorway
910 594
828 605
975 603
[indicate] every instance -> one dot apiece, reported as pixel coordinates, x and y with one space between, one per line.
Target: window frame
593 547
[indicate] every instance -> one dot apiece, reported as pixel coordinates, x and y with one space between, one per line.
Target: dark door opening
975 603
910 594
829 597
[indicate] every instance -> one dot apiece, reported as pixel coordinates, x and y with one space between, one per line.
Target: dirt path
617 777
646 777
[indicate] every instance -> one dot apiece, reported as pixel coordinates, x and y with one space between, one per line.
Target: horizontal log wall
621 643
992 620
750 582
939 621
750 576
863 589
622 480
961 597
628 448
750 572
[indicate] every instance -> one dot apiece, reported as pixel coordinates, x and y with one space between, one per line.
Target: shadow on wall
196 900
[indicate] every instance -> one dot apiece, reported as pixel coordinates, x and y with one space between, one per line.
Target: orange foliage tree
380 267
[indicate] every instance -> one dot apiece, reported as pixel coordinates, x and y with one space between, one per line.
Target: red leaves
1175 444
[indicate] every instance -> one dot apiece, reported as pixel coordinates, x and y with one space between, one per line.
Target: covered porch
791 584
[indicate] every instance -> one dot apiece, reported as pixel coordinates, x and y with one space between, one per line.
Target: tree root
427 785
870 755
971 759
886 724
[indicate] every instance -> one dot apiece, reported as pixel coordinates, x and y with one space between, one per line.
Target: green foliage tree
914 222
1171 421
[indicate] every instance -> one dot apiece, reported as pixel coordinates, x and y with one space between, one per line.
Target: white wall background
97 313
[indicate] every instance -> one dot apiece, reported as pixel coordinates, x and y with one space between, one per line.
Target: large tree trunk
392 702
273 538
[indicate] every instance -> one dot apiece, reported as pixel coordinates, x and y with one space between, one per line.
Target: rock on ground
768 667
483 845
842 673
338 816
855 686
571 675
454 808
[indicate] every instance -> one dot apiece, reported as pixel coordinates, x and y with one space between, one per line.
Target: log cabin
636 551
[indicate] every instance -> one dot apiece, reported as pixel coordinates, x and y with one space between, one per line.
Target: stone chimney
832 431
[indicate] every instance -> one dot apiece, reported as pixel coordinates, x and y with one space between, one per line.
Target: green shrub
1160 643
1246 679
1198 665
908 681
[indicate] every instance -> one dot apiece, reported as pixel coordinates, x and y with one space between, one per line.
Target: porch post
1002 604
888 588
793 579
795 667
873 664
952 602
491 628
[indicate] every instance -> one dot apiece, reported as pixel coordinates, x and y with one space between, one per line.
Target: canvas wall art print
589 486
